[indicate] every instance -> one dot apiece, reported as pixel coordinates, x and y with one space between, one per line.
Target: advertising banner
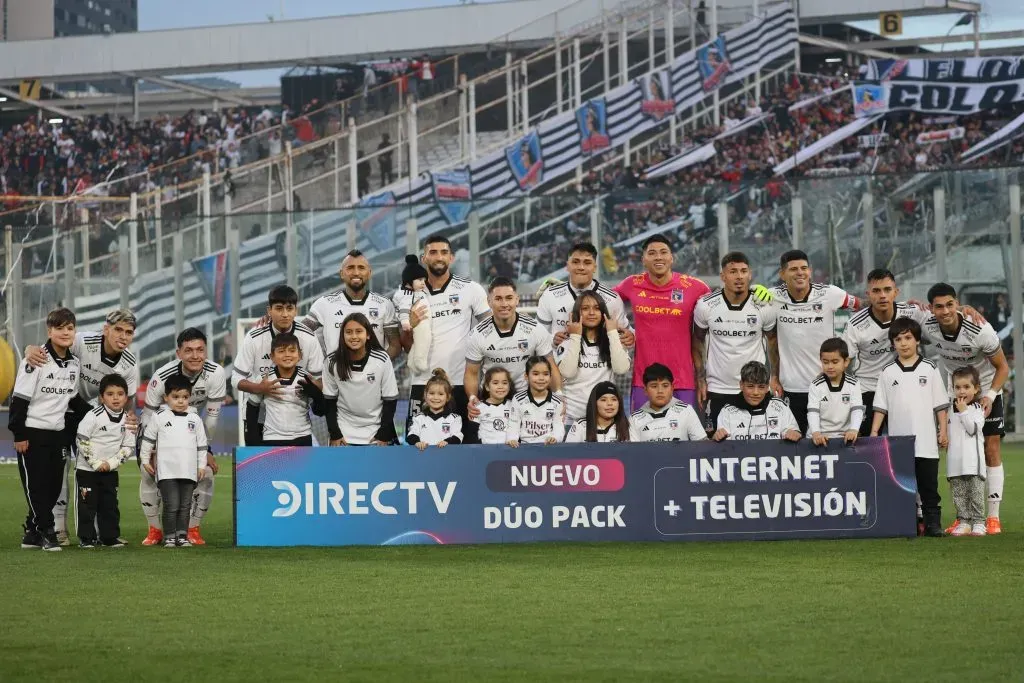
574 492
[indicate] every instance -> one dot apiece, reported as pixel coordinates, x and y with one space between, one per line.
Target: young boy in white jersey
286 412
835 408
174 452
104 442
757 415
664 417
911 394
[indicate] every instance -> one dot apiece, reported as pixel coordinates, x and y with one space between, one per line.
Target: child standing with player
757 414
835 407
497 409
174 452
286 421
104 443
606 419
438 424
540 412
413 296
965 458
664 417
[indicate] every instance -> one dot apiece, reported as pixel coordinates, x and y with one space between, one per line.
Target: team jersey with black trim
868 340
42 395
493 348
285 417
578 433
833 410
971 345
554 308
802 327
330 311
454 309
253 358
538 421
179 442
103 436
735 337
209 389
592 369
96 365
433 428
495 422
361 397
677 421
770 420
910 397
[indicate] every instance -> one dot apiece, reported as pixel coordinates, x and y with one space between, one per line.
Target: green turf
930 609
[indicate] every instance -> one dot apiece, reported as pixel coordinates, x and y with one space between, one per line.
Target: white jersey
510 350
868 340
178 440
96 365
833 410
103 437
209 389
767 421
361 397
554 308
48 390
735 337
578 433
677 421
331 310
286 417
496 421
590 369
971 345
911 397
253 358
537 422
454 309
435 428
802 327
965 456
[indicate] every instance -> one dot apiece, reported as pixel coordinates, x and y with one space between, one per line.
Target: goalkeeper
104 442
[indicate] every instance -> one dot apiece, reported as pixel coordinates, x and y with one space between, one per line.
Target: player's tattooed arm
311 322
772 337
698 352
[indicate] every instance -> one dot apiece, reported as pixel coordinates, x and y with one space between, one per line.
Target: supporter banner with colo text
940 86
574 492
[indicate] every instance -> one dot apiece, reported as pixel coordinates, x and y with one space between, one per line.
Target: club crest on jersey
370 377
922 381
453 299
673 424
846 399
549 414
524 344
816 308
446 429
191 427
373 312
677 295
773 422
29 369
752 320
72 376
499 424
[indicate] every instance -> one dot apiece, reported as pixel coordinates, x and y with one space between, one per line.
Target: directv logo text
357 498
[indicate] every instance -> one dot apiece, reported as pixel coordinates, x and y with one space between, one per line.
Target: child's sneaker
87 544
183 542
978 530
169 543
959 529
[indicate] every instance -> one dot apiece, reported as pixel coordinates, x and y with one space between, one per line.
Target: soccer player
834 404
867 335
758 414
911 395
730 329
104 442
208 388
328 311
455 306
100 354
664 417
805 318
554 308
286 419
174 451
663 303
507 339
958 342
252 362
42 396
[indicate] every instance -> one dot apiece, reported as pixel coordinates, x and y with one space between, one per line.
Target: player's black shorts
798 406
994 422
869 415
715 404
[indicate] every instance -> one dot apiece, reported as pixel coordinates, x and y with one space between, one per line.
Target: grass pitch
929 609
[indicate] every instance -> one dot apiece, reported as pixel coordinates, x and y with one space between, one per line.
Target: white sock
995 490
60 510
149 496
920 513
201 499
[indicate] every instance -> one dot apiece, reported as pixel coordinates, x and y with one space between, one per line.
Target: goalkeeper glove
763 294
548 282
